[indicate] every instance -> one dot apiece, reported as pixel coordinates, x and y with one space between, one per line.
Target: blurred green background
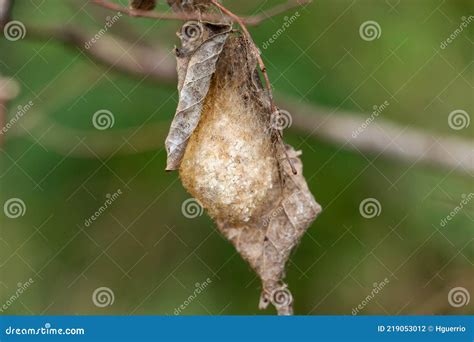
142 247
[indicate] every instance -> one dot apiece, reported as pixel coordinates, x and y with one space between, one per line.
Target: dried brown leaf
202 44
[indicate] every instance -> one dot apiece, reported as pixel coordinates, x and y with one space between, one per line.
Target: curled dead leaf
202 44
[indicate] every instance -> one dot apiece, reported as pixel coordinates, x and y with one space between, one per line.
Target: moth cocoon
229 164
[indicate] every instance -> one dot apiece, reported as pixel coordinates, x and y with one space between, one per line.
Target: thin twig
250 20
254 46
274 11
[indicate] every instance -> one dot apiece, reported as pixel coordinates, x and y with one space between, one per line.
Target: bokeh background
147 252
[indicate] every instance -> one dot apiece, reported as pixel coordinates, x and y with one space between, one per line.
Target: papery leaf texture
202 44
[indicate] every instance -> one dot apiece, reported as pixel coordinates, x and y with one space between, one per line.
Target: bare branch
154 14
274 11
409 144
155 62
251 20
9 89
6 7
382 137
